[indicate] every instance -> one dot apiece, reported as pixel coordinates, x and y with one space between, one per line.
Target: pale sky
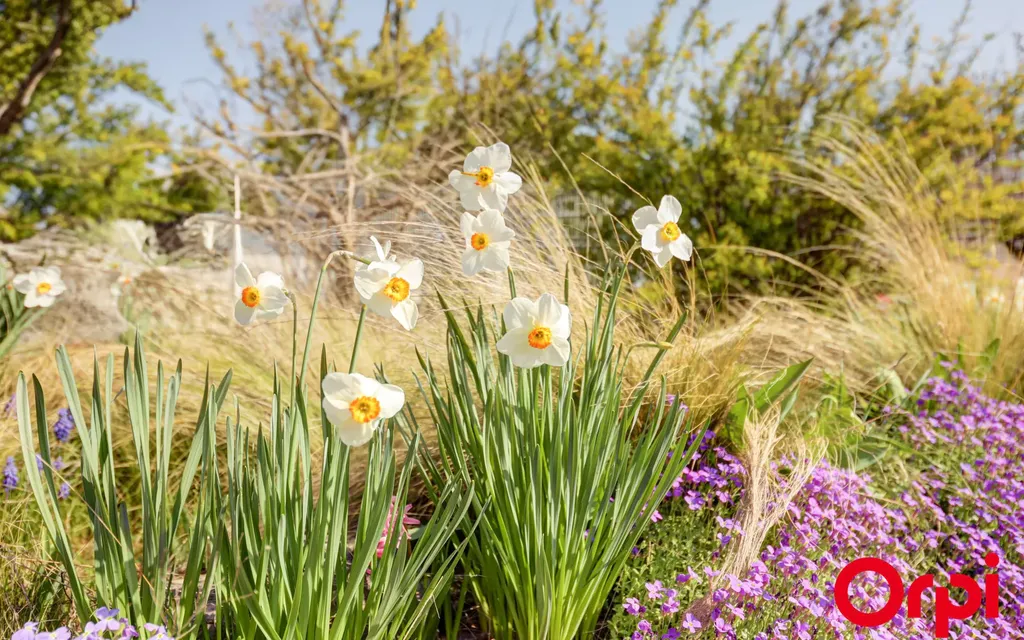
168 34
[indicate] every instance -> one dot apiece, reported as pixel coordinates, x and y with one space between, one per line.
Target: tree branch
14 111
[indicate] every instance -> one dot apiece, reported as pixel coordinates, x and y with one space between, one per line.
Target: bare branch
14 111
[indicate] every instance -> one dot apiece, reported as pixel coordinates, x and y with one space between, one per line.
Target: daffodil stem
355 343
511 283
316 303
295 344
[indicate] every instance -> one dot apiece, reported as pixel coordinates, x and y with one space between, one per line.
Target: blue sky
168 34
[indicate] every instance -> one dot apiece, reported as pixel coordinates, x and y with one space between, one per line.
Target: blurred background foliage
672 113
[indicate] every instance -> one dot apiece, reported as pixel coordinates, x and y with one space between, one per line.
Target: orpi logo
945 609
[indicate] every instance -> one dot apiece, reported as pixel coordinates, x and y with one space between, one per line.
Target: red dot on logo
992 560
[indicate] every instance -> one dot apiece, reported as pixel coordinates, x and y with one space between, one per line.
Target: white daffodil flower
355 405
262 298
485 181
537 332
41 286
487 242
119 286
660 233
385 288
994 298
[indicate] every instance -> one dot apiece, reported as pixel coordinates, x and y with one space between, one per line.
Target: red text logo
945 609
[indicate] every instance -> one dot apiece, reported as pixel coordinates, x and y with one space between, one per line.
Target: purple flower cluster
965 500
10 475
64 426
107 626
62 431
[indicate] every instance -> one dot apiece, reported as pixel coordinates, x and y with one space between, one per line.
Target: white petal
379 304
382 252
682 248
650 239
370 280
57 287
557 354
645 217
243 314
406 313
243 277
269 279
272 299
472 262
33 299
669 210
337 410
491 221
471 198
468 225
367 386
508 182
477 158
548 310
495 258
520 312
354 434
23 283
391 399
663 256
412 272
502 236
343 387
493 198
498 157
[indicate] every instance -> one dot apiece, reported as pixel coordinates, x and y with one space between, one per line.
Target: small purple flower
28 632
690 623
632 606
10 475
671 634
654 589
64 425
64 492
643 627
10 404
104 613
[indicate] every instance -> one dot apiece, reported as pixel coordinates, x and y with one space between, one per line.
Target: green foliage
668 114
75 152
775 390
173 541
289 571
565 475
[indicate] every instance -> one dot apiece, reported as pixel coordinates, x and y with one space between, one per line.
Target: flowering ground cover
962 500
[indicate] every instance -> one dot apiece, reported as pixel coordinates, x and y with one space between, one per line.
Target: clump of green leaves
566 473
175 541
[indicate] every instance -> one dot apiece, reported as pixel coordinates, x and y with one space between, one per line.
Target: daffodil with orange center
537 332
660 233
386 286
486 181
355 405
41 286
261 298
487 242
